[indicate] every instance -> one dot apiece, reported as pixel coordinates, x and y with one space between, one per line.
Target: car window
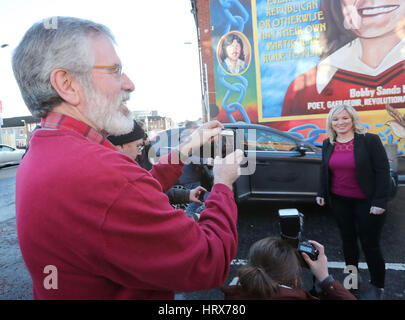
268 141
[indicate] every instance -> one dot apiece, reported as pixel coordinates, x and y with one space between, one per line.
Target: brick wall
204 26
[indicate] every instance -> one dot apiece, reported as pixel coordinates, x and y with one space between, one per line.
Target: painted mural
285 63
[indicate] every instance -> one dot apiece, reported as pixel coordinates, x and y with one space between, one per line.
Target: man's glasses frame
116 69
141 147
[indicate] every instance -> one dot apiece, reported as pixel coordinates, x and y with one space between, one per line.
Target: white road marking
363 265
338 265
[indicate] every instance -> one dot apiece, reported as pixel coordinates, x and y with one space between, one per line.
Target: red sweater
108 228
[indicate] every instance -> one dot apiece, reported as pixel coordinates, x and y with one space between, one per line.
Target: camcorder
291 225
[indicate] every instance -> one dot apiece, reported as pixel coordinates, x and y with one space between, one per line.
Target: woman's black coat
372 169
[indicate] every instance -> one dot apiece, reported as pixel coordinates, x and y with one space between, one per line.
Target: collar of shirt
60 121
235 69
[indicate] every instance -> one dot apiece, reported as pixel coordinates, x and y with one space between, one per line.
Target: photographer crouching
274 272
274 267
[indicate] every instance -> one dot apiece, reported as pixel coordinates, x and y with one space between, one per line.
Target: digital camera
309 249
291 226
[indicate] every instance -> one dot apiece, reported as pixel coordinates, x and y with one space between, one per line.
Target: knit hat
136 134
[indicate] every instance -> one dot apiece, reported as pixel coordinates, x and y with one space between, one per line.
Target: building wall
18 137
14 137
156 123
1 123
204 30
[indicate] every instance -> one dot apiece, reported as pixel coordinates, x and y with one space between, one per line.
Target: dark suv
278 166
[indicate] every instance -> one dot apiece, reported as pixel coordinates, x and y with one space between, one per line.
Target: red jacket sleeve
168 170
151 246
336 291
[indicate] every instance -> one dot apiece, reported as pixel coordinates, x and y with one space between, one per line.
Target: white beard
106 113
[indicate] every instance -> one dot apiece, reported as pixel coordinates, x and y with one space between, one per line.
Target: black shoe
374 293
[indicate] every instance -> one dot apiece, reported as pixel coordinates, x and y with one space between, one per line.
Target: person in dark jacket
355 182
273 272
143 159
132 144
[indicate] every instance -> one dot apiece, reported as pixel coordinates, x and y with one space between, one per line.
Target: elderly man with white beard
92 224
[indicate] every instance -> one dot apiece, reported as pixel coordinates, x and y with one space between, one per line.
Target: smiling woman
354 181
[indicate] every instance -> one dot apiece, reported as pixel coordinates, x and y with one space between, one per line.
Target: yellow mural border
257 62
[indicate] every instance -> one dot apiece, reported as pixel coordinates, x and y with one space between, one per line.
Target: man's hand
199 137
195 193
227 170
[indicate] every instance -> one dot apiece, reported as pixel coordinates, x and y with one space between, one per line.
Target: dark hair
227 42
336 35
271 262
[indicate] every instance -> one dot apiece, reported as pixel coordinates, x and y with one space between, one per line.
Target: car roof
252 126
242 125
263 127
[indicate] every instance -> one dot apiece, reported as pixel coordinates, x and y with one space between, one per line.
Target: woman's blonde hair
357 126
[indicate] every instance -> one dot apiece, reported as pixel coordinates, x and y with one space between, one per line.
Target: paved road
256 221
15 282
259 220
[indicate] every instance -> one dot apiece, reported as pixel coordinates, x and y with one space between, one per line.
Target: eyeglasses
141 147
116 69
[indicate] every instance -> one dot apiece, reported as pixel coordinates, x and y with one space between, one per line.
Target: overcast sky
153 38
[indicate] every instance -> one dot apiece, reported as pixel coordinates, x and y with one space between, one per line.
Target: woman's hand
376 210
320 201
